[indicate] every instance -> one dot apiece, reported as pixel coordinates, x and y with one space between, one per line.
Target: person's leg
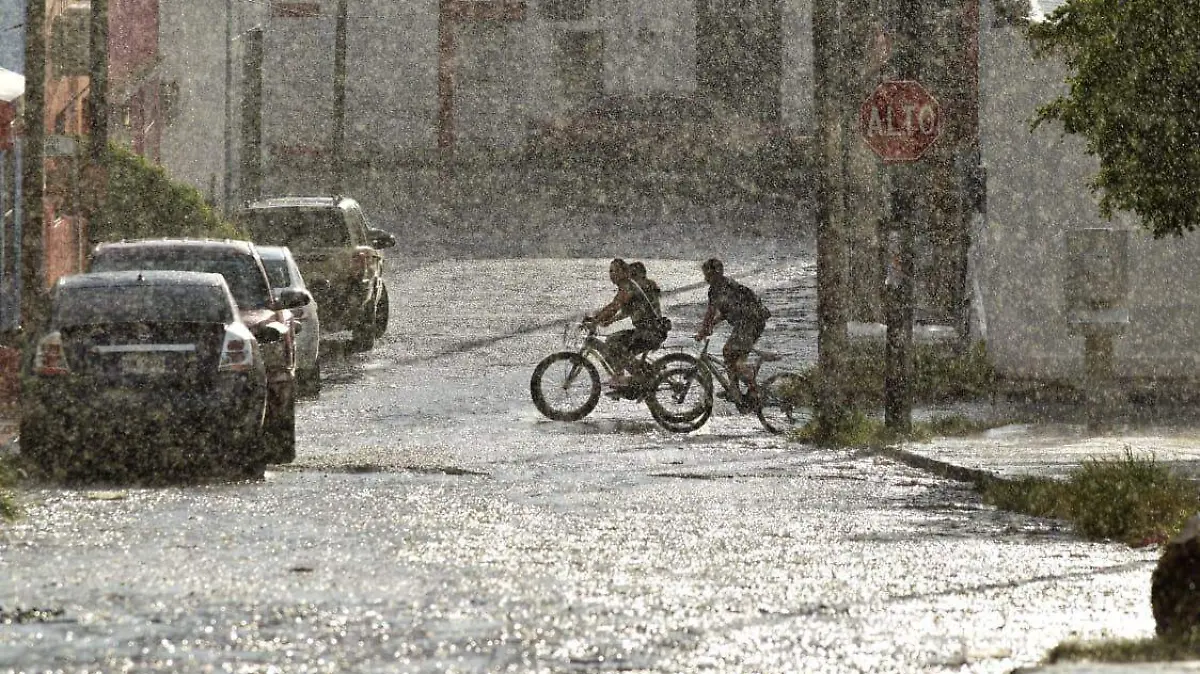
620 351
737 348
640 343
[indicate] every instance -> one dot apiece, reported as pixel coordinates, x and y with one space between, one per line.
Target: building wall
508 72
192 38
1037 189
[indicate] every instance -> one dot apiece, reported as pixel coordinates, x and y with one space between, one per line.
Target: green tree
144 202
1135 81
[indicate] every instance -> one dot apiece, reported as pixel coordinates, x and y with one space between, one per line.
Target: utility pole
97 109
339 100
445 77
831 401
228 206
96 169
33 287
252 176
906 17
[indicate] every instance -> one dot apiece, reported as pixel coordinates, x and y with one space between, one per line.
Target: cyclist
634 302
731 301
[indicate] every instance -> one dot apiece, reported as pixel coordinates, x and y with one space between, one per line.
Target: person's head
637 271
713 270
618 270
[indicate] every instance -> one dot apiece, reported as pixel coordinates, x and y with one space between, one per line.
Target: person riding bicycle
731 301
648 331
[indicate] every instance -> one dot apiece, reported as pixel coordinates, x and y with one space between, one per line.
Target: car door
368 260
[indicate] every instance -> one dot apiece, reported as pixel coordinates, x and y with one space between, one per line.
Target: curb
975 476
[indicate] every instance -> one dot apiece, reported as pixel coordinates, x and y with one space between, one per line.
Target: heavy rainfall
325 344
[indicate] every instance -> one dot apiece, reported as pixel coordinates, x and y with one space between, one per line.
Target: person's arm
611 312
711 318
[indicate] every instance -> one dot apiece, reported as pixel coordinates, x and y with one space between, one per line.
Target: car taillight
50 357
237 354
359 263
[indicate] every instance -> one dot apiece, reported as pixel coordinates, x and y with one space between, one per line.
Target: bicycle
685 395
565 386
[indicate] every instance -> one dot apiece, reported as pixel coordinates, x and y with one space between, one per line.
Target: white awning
12 85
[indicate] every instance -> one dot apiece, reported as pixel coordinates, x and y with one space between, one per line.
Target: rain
277 278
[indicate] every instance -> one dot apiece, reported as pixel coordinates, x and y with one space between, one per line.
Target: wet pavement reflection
435 522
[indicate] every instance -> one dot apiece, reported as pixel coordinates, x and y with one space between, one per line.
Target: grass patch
858 430
8 478
1131 499
1126 650
939 372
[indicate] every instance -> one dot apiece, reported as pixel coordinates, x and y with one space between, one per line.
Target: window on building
580 61
565 10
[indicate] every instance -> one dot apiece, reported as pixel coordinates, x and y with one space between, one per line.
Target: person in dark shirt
633 302
731 301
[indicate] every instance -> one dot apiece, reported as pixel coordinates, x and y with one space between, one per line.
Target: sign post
899 120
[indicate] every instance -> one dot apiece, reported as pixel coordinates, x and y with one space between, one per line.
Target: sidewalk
1053 447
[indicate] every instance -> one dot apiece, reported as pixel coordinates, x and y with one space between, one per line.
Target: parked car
146 368
242 267
337 252
285 275
659 130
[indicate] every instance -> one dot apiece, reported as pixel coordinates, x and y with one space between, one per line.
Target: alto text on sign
900 120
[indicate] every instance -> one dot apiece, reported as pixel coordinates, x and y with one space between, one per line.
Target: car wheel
308 381
363 338
382 311
279 436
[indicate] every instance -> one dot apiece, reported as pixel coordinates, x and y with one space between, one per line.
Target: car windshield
241 272
278 272
141 303
297 228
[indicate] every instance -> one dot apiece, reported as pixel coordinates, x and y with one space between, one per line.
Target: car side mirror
270 333
292 298
381 239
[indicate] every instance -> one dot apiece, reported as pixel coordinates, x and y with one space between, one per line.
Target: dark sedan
240 264
152 370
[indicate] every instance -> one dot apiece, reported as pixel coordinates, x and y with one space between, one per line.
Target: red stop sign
900 120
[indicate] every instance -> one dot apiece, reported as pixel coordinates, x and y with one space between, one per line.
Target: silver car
284 273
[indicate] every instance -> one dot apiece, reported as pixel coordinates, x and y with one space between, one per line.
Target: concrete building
1037 190
512 62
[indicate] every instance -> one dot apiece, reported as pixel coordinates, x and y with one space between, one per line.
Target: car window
357 227
134 304
242 273
278 272
296 228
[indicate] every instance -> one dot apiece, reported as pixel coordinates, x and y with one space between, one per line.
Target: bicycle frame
594 348
717 370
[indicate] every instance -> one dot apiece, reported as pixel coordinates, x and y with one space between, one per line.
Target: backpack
662 322
748 303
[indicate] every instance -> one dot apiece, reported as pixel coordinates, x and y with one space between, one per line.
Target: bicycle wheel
681 398
677 359
782 403
565 386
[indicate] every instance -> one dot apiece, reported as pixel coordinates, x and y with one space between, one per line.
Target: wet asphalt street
434 522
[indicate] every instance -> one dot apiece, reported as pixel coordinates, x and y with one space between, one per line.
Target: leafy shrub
8 507
1131 499
1135 500
144 202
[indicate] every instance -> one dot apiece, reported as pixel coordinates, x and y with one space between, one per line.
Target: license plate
144 363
